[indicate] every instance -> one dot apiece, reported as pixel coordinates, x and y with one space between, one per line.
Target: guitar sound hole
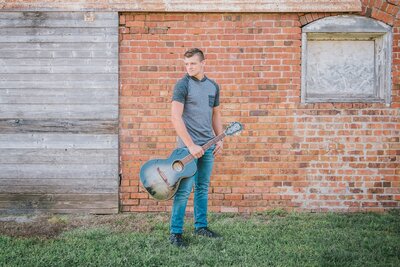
177 166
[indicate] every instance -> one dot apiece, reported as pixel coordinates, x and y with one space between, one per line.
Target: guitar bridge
163 176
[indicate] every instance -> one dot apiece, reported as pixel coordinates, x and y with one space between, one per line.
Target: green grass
274 238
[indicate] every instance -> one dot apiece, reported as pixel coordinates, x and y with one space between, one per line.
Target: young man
196 117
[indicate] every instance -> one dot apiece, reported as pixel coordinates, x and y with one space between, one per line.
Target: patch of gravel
18 219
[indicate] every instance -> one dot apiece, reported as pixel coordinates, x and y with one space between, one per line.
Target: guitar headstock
234 128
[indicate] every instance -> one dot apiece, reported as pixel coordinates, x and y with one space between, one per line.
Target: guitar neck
206 146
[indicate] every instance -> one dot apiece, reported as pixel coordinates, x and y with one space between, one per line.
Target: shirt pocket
211 100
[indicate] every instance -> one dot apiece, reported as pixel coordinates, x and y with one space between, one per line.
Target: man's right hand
196 151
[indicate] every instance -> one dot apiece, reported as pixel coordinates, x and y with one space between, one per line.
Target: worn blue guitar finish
161 177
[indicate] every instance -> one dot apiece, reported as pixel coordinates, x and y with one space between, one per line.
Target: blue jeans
201 183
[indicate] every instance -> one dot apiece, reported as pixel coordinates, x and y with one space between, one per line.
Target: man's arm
180 128
217 126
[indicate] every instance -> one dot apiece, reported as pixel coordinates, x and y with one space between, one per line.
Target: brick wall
341 157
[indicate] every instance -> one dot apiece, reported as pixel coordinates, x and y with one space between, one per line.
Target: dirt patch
50 226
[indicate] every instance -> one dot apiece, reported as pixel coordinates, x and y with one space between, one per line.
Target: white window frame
351 28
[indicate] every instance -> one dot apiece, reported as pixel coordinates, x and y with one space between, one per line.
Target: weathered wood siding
59 112
186 6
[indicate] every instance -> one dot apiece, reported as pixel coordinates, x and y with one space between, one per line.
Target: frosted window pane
340 67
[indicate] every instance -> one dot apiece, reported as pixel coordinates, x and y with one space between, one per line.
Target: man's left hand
218 148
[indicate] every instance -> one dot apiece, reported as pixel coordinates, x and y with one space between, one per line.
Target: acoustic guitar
161 177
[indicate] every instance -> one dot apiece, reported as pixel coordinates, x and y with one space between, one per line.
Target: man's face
194 67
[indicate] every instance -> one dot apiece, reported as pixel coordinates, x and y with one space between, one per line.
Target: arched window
346 59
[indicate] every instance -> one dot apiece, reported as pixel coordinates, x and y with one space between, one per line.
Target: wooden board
58 141
12 126
100 203
188 6
58 156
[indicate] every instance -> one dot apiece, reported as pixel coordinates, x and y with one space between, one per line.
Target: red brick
322 157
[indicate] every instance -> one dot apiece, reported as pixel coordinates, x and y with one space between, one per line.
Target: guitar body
161 177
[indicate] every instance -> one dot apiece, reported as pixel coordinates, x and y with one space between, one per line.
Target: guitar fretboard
206 146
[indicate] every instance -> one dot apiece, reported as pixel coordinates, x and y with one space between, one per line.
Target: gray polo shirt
199 98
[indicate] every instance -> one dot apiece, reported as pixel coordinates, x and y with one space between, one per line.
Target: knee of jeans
201 188
183 194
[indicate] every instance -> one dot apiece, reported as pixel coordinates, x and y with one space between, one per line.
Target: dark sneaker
204 231
177 240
